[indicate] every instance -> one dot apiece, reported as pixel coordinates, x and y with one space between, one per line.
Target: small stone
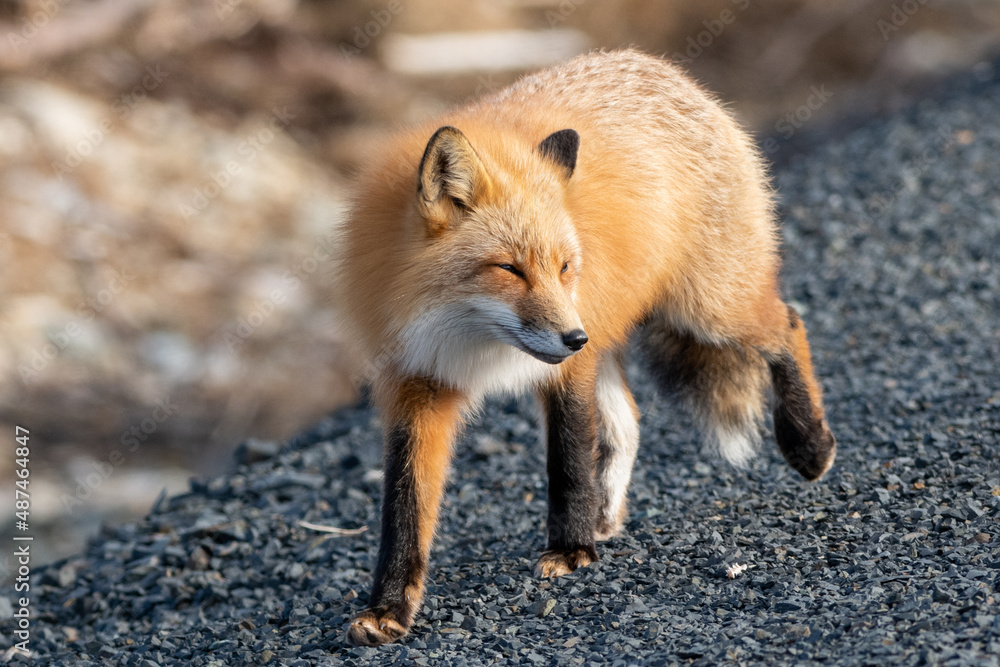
67 575
199 559
975 507
254 450
550 604
542 608
637 606
486 446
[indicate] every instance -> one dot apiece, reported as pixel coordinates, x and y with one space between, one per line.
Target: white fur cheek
457 346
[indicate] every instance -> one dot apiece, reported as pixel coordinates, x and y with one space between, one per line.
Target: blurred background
168 171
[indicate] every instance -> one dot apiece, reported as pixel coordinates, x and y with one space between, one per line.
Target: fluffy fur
606 196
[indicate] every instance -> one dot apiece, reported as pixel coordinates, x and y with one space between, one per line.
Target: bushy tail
723 387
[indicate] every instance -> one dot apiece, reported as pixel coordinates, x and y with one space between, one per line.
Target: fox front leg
571 432
421 422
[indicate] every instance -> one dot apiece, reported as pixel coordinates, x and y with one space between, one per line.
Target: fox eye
565 267
512 269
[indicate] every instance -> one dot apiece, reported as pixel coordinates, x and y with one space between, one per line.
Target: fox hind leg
617 444
800 427
724 385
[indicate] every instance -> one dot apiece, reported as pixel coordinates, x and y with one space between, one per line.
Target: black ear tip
562 147
569 134
567 140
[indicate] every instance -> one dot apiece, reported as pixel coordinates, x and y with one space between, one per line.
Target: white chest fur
457 346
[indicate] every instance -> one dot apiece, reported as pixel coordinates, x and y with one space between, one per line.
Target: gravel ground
892 238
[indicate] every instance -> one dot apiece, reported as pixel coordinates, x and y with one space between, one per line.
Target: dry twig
333 530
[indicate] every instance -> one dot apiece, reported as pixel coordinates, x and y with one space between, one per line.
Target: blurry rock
481 51
253 450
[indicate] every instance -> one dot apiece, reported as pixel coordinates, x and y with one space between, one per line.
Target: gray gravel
892 242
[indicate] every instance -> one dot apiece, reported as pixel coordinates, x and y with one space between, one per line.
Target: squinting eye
512 269
565 266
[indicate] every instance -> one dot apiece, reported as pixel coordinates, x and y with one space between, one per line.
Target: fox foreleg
420 426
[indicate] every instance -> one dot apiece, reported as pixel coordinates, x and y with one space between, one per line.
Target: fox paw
814 451
557 562
825 455
375 626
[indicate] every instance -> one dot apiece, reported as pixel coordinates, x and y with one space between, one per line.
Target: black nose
575 339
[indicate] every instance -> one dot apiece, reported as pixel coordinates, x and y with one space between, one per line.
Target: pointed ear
561 147
451 179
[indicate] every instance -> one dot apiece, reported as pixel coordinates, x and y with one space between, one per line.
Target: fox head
495 232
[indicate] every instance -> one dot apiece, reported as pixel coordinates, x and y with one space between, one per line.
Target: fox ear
451 179
561 147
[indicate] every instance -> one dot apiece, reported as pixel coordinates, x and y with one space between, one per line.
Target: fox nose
575 339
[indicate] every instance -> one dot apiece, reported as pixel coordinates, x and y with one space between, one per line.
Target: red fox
517 244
